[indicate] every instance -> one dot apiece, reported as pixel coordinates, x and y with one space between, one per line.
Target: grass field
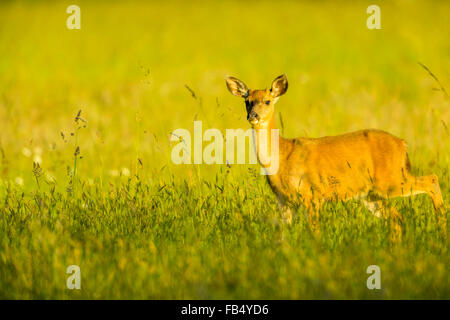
107 197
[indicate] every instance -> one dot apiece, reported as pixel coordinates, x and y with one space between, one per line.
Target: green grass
141 227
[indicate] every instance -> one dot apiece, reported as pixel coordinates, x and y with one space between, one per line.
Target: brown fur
369 163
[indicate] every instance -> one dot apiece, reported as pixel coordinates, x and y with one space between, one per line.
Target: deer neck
285 147
266 147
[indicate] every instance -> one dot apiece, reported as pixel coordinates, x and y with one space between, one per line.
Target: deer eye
267 102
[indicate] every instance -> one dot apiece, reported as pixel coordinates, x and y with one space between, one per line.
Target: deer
369 165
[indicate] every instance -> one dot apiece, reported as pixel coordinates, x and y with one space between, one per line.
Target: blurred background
96 106
128 67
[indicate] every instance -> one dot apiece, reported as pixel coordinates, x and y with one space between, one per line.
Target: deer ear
279 86
237 87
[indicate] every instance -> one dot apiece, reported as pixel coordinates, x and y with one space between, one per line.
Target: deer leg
285 210
379 210
425 184
313 207
374 207
286 214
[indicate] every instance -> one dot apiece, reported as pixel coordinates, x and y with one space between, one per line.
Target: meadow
86 176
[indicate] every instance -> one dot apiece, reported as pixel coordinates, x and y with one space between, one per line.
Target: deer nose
252 115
